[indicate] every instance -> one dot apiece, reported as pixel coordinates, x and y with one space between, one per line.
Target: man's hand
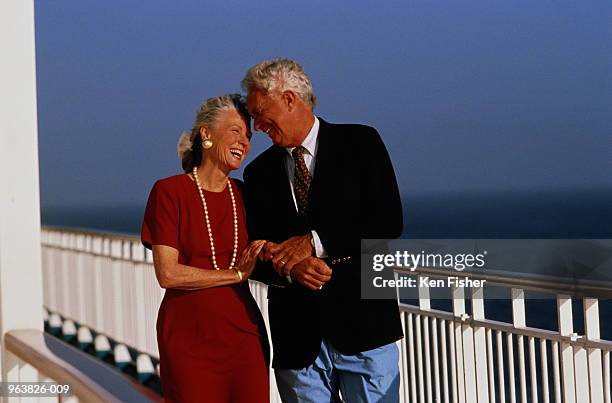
312 273
287 254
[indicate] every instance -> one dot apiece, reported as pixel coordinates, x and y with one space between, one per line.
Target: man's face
271 116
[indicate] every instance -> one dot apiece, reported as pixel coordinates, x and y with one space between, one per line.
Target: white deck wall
20 252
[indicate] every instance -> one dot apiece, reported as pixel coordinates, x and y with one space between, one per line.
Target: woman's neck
212 178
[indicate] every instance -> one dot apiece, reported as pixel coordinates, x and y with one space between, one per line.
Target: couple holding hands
295 223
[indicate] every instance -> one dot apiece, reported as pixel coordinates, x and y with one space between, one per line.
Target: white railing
106 283
455 357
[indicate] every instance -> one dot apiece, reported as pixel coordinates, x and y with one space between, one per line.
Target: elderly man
314 194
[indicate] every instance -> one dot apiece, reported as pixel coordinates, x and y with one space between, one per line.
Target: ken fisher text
425 281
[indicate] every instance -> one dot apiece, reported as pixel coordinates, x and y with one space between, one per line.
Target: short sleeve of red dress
161 219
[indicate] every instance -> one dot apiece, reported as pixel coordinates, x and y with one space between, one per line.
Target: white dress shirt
310 143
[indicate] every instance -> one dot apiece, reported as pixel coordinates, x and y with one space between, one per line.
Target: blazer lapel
281 189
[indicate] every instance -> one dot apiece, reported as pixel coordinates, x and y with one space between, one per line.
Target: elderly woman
212 342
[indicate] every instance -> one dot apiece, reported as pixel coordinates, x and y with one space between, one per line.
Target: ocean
529 214
558 214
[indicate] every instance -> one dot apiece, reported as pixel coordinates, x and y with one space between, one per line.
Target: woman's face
231 137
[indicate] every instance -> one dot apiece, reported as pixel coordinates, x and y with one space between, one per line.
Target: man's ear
289 98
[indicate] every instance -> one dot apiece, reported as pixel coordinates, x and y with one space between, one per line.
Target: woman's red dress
212 343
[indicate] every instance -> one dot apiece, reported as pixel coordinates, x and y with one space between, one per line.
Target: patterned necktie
301 180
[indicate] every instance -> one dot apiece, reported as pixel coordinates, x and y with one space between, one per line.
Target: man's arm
384 218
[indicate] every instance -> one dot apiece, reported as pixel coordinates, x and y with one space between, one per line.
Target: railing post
48 266
518 318
581 372
138 256
81 273
72 285
116 288
97 244
591 327
518 307
62 275
154 295
424 296
403 361
458 295
480 347
89 304
606 377
425 304
469 358
566 328
411 348
128 286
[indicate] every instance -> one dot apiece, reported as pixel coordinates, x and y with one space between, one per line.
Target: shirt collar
310 142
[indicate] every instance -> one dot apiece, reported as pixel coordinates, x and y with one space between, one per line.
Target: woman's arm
171 274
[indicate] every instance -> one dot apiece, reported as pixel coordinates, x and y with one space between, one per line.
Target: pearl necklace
210 235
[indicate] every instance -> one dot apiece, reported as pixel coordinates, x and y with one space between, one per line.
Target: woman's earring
207 143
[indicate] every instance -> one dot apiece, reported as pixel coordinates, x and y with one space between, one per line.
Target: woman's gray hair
278 75
189 146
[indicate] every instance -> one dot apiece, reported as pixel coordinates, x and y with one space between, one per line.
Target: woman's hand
248 258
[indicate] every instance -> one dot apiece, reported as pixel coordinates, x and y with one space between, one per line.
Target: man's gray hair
278 75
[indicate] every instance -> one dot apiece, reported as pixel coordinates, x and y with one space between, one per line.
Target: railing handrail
29 345
508 327
124 236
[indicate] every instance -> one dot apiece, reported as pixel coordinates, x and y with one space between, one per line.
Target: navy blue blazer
354 196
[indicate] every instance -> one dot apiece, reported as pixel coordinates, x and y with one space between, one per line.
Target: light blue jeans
368 377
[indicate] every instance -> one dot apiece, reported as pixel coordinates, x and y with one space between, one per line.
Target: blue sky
481 95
